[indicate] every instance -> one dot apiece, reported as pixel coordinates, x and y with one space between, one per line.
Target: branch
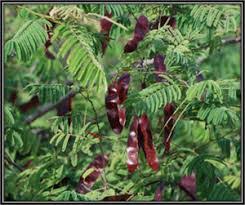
231 40
46 108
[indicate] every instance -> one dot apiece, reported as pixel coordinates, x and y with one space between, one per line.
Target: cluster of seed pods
116 95
140 136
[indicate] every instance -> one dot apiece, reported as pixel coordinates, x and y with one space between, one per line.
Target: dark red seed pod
159 192
148 146
168 113
139 34
199 76
114 120
113 109
131 46
160 67
121 197
64 108
112 97
141 28
122 116
85 184
122 87
188 185
133 147
142 22
105 26
116 95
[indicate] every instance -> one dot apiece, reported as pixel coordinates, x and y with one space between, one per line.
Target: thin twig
99 132
182 112
10 161
49 18
46 108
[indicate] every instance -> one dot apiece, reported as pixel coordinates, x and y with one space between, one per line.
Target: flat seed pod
133 147
141 29
97 166
148 146
159 66
116 95
168 113
159 192
105 27
123 83
188 185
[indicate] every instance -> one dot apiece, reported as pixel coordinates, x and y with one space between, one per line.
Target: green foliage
28 39
215 16
44 160
153 97
48 93
81 61
218 115
221 192
197 90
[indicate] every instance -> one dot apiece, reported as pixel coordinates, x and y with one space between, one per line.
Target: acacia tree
122 102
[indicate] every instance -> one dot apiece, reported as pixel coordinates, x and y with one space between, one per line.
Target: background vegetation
44 157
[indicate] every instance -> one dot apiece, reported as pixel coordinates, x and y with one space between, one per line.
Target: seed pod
141 28
123 83
122 116
199 78
159 192
64 108
97 166
131 46
105 26
188 185
112 109
116 95
168 113
160 67
161 22
148 146
121 197
133 147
